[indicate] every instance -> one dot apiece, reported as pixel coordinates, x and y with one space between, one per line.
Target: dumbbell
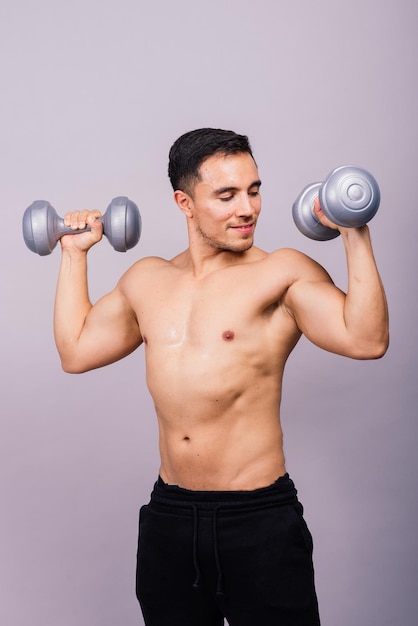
42 227
349 197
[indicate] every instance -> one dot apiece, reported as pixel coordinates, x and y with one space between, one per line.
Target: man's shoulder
256 254
287 257
144 269
291 253
149 263
291 266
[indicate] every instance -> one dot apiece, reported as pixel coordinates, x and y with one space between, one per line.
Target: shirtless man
223 534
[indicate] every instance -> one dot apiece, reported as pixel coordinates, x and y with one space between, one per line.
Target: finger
317 207
73 219
96 227
79 219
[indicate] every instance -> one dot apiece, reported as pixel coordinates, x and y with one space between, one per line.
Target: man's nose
245 208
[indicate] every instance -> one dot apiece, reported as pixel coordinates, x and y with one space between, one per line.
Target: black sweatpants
243 555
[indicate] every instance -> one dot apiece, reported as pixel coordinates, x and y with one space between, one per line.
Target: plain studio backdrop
93 93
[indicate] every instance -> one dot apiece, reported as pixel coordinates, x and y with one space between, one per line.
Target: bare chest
186 318
214 315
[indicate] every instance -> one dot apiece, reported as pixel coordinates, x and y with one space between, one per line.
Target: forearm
365 307
72 303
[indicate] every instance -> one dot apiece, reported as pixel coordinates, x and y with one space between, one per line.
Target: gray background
93 93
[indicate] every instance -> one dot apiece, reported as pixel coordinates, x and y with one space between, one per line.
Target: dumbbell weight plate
38 227
305 218
349 196
123 225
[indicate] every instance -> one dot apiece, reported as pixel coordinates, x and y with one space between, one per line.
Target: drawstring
195 559
219 588
281 492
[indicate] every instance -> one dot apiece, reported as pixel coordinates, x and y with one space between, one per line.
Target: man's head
189 152
217 187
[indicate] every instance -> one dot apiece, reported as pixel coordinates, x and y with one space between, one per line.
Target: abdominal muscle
219 429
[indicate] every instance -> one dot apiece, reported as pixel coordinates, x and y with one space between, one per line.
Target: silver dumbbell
349 197
42 227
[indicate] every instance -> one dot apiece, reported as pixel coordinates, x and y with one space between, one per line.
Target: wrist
74 259
72 252
354 234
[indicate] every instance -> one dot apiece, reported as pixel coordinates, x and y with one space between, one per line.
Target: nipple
228 335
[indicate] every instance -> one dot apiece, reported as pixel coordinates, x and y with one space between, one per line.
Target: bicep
317 307
110 332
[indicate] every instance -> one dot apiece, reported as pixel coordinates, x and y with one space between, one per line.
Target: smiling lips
244 228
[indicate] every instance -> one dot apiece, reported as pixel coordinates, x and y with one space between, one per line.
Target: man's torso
215 348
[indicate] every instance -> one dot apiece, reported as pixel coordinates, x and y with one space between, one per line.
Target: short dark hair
191 149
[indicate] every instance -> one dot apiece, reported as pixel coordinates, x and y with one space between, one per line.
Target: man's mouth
244 228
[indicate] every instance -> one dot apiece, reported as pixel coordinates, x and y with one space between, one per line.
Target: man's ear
184 202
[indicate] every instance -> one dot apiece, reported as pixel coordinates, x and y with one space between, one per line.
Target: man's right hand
78 220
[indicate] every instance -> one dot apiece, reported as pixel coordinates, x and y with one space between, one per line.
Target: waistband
282 491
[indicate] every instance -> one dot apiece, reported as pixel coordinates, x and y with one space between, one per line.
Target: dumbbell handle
61 229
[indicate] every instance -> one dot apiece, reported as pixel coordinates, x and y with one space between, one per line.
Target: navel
228 335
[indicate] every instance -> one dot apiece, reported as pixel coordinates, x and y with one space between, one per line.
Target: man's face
226 202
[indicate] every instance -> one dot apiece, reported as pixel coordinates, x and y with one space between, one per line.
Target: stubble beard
224 246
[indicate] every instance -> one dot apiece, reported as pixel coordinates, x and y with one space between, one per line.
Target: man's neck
202 263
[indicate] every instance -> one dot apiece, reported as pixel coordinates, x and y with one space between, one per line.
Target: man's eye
226 198
254 194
